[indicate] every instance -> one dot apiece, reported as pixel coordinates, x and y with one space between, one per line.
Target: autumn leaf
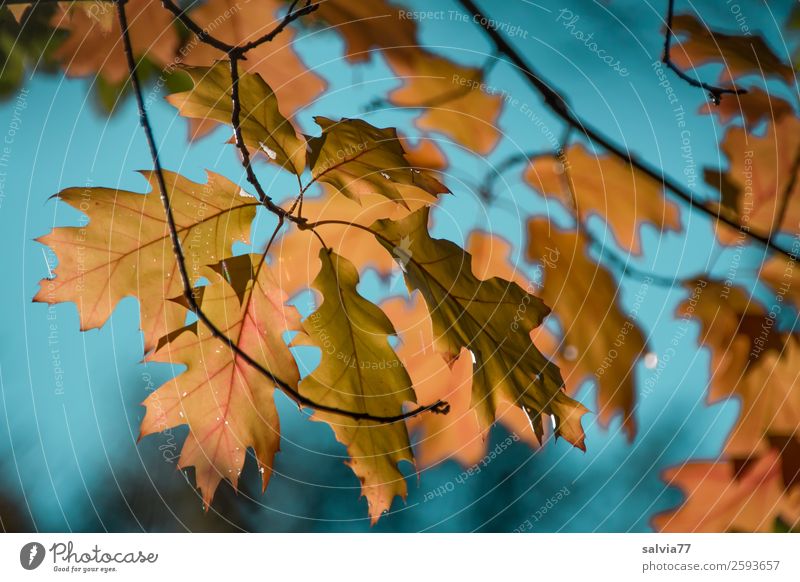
458 435
125 250
755 482
357 158
277 61
721 497
450 96
365 26
730 321
760 178
300 248
493 319
754 107
598 341
426 154
93 46
740 54
492 257
227 404
751 361
608 187
770 401
264 129
360 372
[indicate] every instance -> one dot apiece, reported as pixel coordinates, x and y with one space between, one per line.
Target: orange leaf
608 187
93 42
227 404
125 250
741 55
599 340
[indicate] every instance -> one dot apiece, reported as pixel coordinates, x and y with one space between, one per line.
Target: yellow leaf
359 372
93 45
740 54
263 127
451 97
721 497
277 62
607 187
598 340
759 175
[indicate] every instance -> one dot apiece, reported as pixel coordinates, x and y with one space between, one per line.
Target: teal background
70 461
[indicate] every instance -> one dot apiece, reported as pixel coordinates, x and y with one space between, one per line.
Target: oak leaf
360 372
751 361
759 178
357 158
450 96
722 497
598 340
300 248
264 128
125 250
605 186
457 435
227 404
493 319
92 45
740 54
277 61
365 26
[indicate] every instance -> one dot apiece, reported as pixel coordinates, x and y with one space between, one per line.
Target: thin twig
144 121
236 111
206 37
714 92
560 108
202 34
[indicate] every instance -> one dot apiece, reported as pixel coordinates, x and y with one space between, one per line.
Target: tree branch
560 108
714 92
144 121
202 34
207 38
